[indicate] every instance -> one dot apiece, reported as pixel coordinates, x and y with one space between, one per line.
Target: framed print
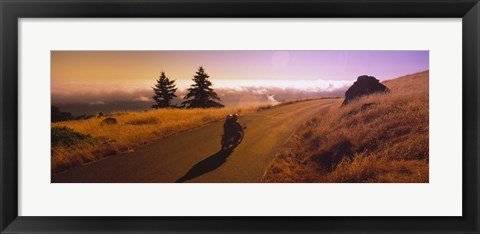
228 116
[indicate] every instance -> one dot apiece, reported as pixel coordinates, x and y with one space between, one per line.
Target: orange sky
84 72
141 67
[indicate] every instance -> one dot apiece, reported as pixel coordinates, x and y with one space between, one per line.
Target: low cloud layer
89 100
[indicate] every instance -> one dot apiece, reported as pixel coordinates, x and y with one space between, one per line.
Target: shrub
67 137
58 115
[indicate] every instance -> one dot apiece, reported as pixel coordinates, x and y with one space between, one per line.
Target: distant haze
93 81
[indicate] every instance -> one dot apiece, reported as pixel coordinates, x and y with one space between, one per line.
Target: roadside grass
132 130
377 138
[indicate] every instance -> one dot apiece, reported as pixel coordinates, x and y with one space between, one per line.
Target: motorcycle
230 142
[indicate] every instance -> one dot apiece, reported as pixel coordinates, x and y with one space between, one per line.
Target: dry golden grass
377 138
133 129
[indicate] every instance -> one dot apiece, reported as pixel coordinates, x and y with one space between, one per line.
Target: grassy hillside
377 138
81 141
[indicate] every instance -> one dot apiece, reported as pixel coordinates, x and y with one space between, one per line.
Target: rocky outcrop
365 85
108 121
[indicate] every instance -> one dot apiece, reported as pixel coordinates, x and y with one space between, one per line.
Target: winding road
195 156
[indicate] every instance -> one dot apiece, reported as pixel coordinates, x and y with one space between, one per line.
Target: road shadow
207 165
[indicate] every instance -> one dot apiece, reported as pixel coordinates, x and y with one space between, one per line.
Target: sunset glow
97 76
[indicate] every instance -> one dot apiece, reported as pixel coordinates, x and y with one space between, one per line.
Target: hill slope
377 138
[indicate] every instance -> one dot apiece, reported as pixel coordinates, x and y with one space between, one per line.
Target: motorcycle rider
231 127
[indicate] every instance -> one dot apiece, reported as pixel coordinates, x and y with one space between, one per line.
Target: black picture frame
11 11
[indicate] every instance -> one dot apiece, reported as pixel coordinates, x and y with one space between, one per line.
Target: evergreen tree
164 92
201 94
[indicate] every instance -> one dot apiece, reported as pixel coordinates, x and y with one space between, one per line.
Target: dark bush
108 121
63 136
58 115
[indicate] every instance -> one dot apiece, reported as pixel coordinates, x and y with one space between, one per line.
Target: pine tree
164 92
201 94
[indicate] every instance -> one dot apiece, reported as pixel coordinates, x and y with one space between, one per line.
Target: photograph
276 116
239 116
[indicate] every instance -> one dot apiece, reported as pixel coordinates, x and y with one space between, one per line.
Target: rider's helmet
229 117
234 117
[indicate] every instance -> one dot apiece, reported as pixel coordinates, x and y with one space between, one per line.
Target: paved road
194 156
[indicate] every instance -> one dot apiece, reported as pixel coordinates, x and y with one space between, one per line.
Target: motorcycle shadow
207 165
